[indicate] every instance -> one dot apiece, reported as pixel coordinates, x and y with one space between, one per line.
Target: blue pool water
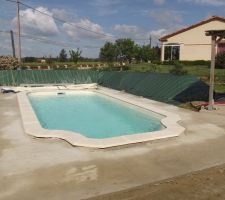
91 115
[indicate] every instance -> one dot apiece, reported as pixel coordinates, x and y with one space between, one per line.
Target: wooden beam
218 33
219 40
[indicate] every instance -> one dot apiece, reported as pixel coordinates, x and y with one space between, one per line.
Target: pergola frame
217 36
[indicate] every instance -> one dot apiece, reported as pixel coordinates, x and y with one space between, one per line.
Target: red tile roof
213 18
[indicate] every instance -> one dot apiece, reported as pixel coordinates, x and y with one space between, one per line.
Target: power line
61 20
65 22
5 32
53 42
11 1
78 26
71 24
45 41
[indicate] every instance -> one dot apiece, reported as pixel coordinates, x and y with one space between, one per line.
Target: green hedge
188 63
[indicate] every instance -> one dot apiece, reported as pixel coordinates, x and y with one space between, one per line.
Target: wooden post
171 52
212 73
162 52
13 44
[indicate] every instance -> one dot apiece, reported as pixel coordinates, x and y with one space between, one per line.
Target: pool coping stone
32 125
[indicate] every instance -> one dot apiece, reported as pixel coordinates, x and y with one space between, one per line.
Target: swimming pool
95 117
92 115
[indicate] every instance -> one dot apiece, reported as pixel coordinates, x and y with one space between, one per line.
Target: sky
103 20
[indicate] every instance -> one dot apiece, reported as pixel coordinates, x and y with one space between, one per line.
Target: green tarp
157 86
18 77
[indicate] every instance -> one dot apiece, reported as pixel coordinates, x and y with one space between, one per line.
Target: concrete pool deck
32 168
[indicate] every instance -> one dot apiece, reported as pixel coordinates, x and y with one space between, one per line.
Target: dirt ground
208 184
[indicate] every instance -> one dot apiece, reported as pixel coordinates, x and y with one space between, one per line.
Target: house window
172 52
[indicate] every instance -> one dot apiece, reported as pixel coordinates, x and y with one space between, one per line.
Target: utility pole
18 31
13 44
150 41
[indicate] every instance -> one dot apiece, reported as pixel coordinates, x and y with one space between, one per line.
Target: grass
202 72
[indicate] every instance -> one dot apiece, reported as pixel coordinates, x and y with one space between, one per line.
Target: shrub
49 60
8 62
178 69
29 59
115 68
152 68
195 62
188 62
169 62
157 62
220 60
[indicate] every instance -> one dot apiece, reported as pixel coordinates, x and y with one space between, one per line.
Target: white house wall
194 44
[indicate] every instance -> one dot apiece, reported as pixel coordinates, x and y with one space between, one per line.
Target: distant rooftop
213 18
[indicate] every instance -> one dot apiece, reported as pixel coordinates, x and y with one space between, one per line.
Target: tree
108 52
126 49
146 53
75 55
63 55
138 53
157 53
49 60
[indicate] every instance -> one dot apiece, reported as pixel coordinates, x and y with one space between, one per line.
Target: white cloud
168 19
106 7
159 2
59 13
37 23
4 22
127 29
77 33
206 2
158 33
139 34
66 15
5 47
106 3
134 32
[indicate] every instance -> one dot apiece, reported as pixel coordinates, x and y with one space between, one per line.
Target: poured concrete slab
32 168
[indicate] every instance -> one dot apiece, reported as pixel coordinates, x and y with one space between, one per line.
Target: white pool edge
32 125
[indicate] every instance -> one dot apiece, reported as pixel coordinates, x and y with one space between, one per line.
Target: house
191 43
